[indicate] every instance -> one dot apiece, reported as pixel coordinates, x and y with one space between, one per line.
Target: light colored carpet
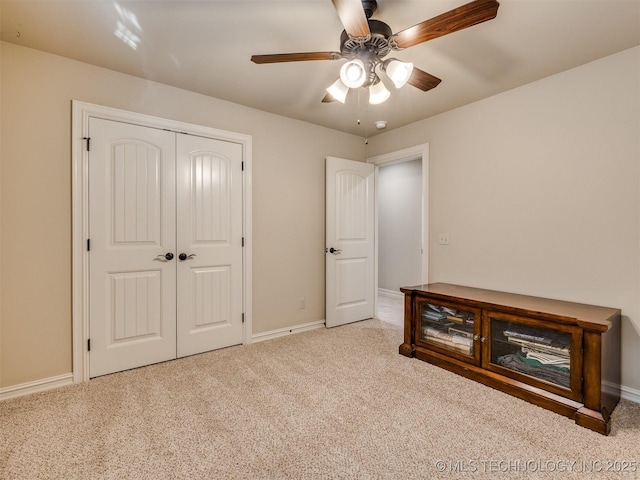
336 403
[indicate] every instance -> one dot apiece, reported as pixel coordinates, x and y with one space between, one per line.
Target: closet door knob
166 256
184 256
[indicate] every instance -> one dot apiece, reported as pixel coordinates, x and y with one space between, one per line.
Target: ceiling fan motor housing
378 44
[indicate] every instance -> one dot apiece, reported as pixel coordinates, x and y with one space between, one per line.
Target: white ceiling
205 46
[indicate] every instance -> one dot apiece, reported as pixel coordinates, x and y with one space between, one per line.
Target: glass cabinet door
449 328
547 355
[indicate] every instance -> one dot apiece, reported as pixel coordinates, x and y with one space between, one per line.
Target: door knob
184 256
335 251
166 256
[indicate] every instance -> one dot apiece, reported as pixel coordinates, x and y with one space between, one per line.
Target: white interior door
132 227
349 241
209 251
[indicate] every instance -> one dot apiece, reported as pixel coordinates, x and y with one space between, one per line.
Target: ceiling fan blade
423 80
459 18
352 17
328 98
295 57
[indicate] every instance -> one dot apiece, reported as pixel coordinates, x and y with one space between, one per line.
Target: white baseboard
630 394
281 332
36 386
390 293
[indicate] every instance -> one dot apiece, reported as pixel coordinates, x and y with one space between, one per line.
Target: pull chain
366 125
366 120
358 107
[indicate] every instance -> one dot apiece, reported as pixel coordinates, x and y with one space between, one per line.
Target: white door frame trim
81 112
400 156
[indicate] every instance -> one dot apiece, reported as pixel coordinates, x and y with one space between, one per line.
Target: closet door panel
131 229
209 202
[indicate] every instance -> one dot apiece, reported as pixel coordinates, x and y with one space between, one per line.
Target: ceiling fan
366 41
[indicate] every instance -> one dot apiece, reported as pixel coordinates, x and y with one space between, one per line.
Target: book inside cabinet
559 355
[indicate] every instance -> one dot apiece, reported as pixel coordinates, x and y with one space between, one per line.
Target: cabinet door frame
474 359
81 112
575 356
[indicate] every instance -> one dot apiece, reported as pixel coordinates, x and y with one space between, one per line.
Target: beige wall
35 182
539 190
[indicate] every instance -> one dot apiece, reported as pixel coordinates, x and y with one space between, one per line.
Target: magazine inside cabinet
542 354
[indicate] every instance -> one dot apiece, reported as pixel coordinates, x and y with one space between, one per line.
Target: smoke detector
381 124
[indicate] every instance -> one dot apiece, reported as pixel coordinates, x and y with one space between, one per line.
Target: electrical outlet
443 239
302 303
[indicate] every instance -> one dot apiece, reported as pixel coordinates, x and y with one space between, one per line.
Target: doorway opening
401 234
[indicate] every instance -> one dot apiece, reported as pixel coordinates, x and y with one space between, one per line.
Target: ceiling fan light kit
399 72
353 73
378 93
365 42
338 91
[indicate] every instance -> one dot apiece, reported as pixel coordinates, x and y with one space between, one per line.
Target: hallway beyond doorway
391 309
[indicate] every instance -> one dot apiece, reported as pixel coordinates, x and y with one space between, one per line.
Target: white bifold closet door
165 259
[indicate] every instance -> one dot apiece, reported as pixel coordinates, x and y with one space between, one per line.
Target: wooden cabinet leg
406 348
